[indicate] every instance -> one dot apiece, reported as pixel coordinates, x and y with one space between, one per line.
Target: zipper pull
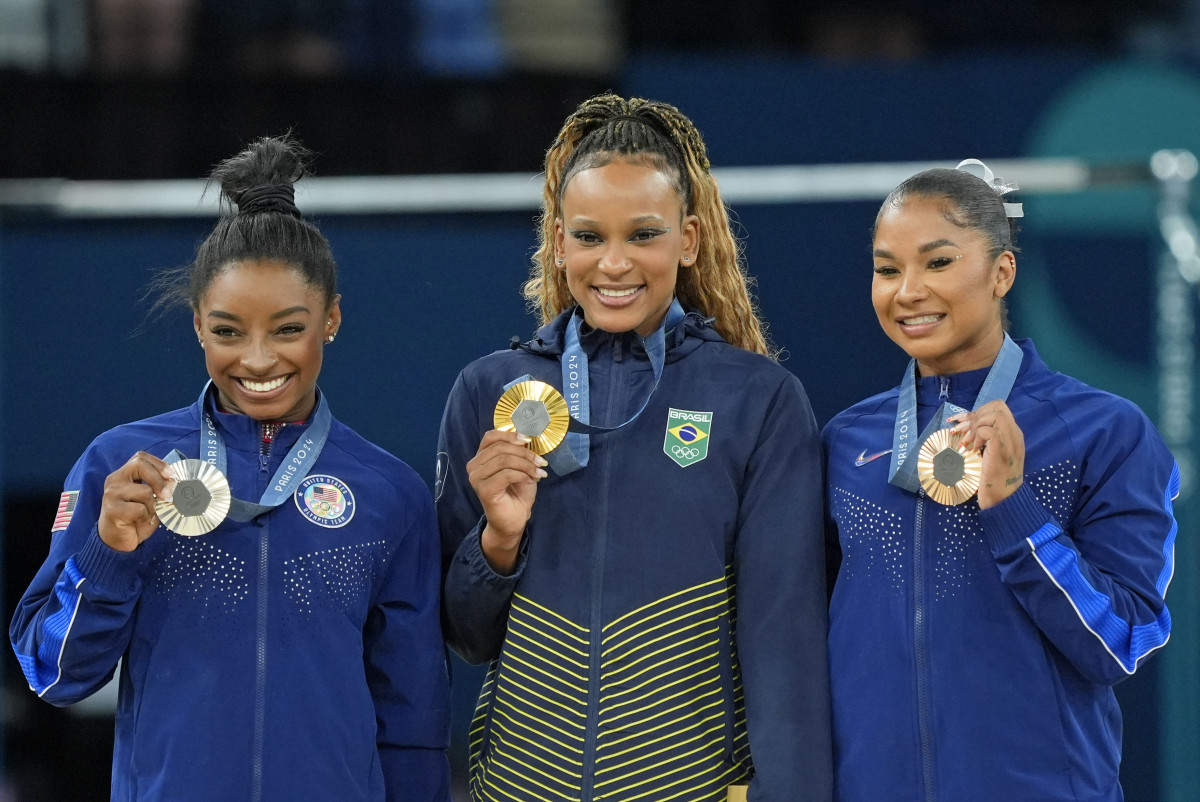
944 388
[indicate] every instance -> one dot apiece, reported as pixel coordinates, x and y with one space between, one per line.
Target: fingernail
540 461
541 474
524 439
167 495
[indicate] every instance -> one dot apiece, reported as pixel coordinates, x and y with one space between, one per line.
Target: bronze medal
536 410
948 473
200 498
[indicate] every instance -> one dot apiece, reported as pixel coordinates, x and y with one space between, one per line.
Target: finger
498 462
149 470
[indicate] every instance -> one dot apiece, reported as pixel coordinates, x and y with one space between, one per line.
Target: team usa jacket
973 653
663 635
297 656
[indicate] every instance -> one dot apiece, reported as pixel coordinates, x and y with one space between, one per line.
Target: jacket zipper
260 670
922 656
594 646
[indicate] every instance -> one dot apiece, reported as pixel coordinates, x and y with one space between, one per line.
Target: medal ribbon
295 465
574 452
996 387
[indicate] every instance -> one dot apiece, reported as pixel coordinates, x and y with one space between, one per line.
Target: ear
196 325
560 239
333 315
690 235
1006 273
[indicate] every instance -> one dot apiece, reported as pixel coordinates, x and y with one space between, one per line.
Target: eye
942 261
648 234
291 329
585 237
224 331
886 270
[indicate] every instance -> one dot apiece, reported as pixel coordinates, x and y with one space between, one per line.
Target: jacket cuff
1013 520
470 553
107 570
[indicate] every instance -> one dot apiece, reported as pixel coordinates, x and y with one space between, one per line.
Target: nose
912 285
258 357
614 259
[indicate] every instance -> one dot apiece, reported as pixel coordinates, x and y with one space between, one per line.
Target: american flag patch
66 508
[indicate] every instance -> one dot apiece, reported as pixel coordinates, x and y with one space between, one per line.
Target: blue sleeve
781 607
75 620
1095 585
405 660
476 598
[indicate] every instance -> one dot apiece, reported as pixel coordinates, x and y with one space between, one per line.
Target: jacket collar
686 337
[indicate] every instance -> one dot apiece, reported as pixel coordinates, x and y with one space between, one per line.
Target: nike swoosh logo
863 458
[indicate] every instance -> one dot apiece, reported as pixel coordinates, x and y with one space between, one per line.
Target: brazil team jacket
664 633
972 653
297 656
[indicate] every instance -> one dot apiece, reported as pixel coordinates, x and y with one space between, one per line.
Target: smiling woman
295 650
653 604
1005 566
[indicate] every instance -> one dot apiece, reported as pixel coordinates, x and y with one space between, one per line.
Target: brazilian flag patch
686 441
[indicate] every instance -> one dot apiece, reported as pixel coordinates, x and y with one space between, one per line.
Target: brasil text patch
686 441
325 500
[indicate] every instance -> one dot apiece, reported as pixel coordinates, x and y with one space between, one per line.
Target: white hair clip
1001 188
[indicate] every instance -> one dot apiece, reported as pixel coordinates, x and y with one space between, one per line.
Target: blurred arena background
430 118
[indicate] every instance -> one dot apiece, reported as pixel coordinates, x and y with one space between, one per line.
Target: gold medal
949 474
536 410
200 498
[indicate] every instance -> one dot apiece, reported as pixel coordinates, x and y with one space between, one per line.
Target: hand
127 515
504 474
992 430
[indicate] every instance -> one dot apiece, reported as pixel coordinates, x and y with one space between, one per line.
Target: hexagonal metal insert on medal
191 497
949 467
530 418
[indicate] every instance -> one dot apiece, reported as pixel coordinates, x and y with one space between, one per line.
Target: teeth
616 293
263 387
916 321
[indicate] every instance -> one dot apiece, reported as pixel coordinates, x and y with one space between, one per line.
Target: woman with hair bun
267 579
1002 535
650 589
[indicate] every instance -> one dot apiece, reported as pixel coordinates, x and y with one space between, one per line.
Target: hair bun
268 198
261 177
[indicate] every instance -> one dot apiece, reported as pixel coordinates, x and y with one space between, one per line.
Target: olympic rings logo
685 452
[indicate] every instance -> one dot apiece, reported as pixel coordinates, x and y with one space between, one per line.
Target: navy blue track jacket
663 635
297 656
972 653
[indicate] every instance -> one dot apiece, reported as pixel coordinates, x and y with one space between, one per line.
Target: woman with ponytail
1002 535
266 579
649 591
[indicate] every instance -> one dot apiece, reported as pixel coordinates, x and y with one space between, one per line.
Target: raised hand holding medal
993 433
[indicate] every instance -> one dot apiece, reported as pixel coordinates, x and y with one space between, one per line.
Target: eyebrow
291 310
645 218
926 248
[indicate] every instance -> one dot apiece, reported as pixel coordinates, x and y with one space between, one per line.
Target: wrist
500 550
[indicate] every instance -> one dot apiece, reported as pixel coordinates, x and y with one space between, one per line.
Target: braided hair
658 135
259 222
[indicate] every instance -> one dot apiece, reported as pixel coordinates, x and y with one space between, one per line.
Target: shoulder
880 407
1075 403
354 454
151 435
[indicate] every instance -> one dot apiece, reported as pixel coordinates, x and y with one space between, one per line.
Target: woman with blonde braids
650 592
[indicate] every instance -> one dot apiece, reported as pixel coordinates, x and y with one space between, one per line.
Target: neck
971 357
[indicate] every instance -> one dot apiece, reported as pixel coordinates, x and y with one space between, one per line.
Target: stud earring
330 338
559 263
687 258
201 343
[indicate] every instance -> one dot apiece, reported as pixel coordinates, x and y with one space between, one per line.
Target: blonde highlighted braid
608 127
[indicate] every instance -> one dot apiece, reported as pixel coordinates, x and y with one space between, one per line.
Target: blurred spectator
141 37
274 37
43 35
